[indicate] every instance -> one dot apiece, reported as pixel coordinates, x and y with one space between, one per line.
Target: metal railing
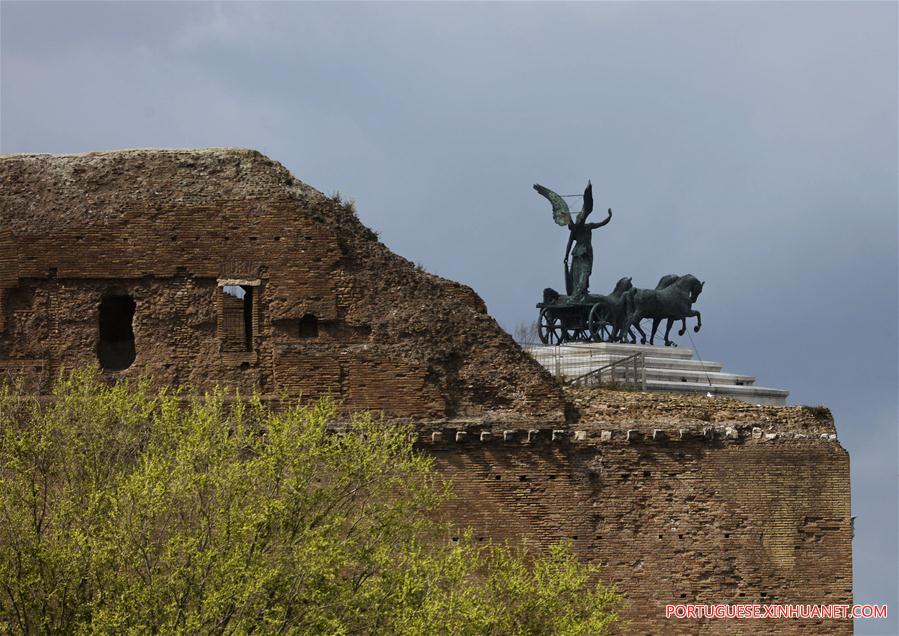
631 371
588 365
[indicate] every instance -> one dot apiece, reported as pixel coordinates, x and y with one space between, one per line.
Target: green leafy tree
123 510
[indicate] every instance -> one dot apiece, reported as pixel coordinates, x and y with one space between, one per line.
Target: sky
751 144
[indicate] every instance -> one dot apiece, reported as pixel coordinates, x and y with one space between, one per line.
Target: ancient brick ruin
218 267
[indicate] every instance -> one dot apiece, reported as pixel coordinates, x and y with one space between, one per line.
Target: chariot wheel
600 329
549 328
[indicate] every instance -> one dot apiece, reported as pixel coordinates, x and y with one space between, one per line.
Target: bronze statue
672 299
580 316
577 278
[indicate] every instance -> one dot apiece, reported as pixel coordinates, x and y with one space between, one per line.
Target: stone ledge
717 435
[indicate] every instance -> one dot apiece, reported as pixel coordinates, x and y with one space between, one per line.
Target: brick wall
705 518
168 227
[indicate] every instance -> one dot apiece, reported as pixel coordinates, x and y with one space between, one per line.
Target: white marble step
656 374
684 376
752 394
663 363
590 360
669 369
616 349
592 351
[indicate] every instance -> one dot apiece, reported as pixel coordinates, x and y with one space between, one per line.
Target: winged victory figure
577 278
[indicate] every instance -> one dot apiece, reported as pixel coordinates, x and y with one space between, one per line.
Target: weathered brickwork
174 230
732 512
217 267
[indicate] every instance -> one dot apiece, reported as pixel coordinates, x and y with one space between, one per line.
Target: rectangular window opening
237 316
115 348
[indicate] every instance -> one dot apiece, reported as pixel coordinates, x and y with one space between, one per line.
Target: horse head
691 285
622 286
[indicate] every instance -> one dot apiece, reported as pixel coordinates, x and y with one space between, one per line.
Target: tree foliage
124 510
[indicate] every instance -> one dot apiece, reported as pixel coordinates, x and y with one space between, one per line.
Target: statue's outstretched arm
593 226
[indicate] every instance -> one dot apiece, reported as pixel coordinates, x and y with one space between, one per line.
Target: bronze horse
673 301
613 308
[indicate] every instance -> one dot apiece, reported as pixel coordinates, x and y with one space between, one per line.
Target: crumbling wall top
223 214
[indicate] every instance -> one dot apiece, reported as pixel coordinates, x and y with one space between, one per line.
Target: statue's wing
588 204
561 214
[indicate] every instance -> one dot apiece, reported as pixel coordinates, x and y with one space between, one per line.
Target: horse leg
628 335
668 324
683 327
612 318
668 343
698 326
655 327
627 311
634 321
621 327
